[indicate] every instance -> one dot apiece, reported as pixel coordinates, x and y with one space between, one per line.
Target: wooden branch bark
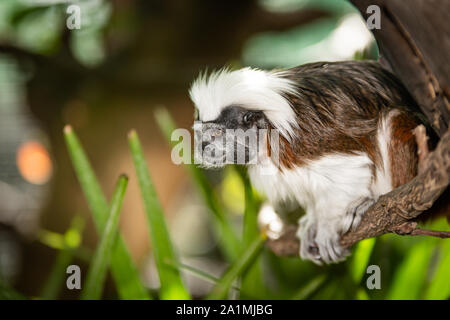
400 206
413 39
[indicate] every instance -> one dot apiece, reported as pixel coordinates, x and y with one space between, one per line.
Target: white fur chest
332 180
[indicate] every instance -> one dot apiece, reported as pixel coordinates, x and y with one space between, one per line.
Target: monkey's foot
319 242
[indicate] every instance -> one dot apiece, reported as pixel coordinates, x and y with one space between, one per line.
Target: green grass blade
92 191
72 240
229 244
51 239
220 291
361 294
172 286
8 293
410 276
202 275
124 272
252 279
439 288
55 282
97 271
360 259
251 229
312 286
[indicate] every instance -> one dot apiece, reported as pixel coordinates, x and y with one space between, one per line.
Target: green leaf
71 241
202 274
439 287
55 281
172 286
8 293
410 276
252 280
51 239
40 29
360 259
220 291
124 272
97 271
230 244
289 48
361 294
312 286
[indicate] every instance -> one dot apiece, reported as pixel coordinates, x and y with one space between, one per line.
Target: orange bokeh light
34 162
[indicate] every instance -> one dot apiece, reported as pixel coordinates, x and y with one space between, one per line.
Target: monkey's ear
261 120
196 115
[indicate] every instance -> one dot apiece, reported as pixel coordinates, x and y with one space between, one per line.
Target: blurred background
127 59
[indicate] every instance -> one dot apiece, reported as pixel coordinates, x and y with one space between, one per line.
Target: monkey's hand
320 235
319 241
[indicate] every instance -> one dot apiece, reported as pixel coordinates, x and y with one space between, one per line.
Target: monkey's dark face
233 137
236 111
236 117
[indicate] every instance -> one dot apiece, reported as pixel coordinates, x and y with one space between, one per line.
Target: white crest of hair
249 88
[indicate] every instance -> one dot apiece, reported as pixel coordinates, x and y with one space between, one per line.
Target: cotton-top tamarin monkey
345 138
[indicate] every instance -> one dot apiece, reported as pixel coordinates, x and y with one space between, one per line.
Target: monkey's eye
248 117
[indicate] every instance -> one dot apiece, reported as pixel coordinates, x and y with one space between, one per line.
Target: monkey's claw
319 243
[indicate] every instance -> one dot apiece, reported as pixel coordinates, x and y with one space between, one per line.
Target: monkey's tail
404 160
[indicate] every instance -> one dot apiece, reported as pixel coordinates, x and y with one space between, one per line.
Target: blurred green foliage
39 26
324 39
172 286
96 276
411 268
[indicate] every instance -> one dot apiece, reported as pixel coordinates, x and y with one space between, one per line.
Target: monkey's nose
217 132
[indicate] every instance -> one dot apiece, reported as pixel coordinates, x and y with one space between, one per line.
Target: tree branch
394 211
